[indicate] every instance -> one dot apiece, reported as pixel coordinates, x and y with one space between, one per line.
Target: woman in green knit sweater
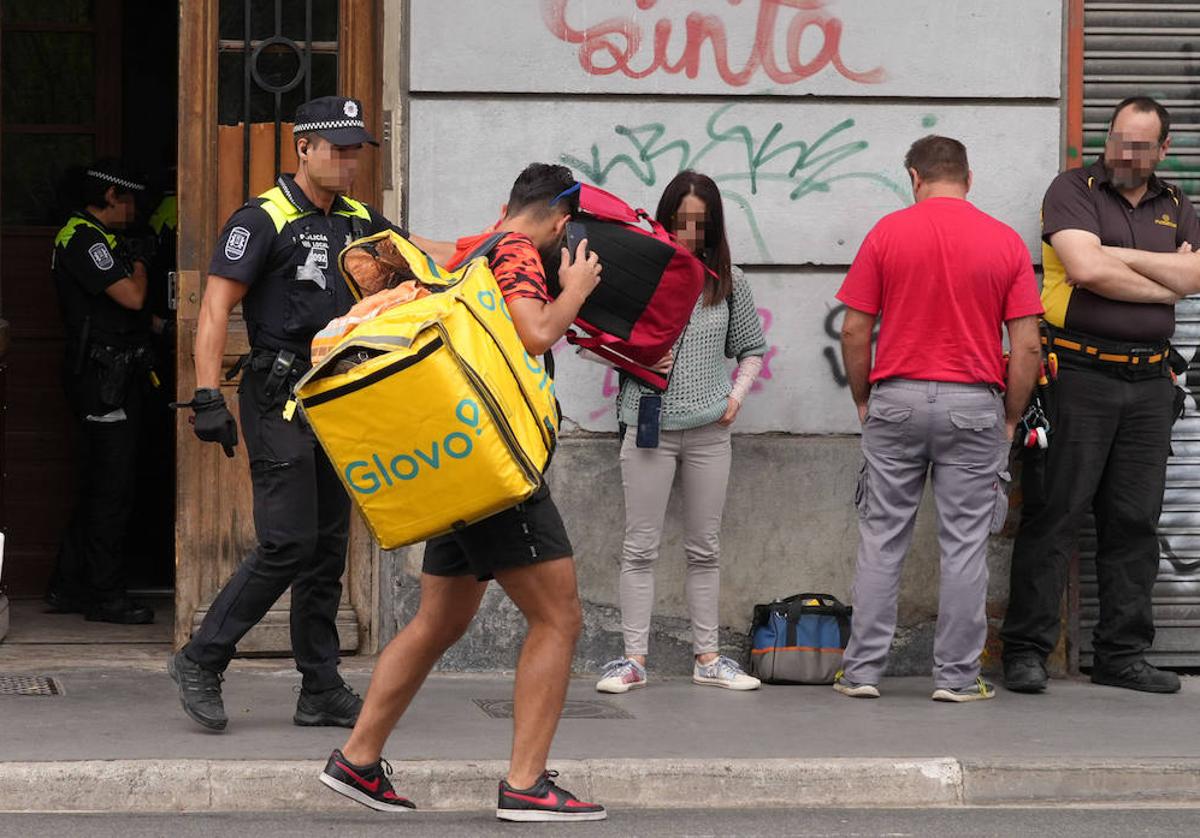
698 409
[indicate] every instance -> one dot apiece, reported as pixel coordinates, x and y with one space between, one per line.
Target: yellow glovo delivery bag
424 397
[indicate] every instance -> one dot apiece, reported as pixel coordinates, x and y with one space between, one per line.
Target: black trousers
91 565
302 520
1108 452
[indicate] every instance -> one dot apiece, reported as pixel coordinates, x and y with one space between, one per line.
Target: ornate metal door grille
272 56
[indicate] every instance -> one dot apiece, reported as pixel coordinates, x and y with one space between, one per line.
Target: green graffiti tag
807 167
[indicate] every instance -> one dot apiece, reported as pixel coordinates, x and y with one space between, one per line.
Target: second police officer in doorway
278 257
108 366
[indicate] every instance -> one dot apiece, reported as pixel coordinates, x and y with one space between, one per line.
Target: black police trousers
302 520
91 566
1110 440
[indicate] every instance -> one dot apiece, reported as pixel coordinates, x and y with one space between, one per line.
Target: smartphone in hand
576 232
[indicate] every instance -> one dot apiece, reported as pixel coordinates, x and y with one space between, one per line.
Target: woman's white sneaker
725 673
621 676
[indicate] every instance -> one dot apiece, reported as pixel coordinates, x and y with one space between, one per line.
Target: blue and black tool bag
799 640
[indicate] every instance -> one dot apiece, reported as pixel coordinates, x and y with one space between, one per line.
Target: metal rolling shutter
1153 48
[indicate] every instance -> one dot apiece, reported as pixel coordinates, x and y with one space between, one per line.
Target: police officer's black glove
214 422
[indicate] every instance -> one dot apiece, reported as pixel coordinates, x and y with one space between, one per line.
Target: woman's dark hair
716 246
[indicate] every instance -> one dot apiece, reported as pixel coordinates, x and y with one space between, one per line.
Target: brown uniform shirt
1085 199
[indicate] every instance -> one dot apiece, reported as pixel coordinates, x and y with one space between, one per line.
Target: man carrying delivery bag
524 548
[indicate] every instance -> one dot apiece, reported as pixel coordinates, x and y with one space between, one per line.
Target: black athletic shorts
529 533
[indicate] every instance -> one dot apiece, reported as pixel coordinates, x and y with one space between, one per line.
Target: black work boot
122 610
199 691
338 707
1138 675
1025 674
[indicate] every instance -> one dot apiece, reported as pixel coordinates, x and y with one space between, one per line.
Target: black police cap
335 118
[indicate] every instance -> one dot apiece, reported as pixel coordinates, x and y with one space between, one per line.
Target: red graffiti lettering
612 45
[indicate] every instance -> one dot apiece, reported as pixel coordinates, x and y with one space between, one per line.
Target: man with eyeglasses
1117 252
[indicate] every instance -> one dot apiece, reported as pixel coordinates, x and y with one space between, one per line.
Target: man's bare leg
548 597
448 604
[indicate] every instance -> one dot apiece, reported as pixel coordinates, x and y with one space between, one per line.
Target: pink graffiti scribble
772 351
611 45
765 375
608 390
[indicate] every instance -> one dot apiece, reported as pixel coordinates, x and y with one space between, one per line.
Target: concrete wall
802 112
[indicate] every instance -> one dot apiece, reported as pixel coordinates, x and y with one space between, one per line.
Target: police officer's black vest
94 319
290 321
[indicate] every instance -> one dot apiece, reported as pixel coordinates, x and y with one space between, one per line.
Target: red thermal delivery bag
648 288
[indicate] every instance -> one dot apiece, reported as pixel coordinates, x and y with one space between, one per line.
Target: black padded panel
633 266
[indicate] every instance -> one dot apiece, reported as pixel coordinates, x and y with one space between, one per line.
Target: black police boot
122 610
1025 674
1138 675
338 707
199 691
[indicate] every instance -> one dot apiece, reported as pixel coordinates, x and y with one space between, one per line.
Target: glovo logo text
366 477
538 370
492 302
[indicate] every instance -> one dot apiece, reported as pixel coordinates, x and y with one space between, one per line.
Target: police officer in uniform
277 256
102 292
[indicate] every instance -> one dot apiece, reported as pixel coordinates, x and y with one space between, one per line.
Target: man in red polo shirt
944 278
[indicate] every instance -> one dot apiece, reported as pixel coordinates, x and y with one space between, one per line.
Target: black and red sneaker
545 802
368 785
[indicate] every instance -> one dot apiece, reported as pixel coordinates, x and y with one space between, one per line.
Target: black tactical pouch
114 370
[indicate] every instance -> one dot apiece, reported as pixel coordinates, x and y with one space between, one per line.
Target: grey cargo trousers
956 433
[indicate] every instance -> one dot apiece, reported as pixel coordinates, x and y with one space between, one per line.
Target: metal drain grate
29 685
502 708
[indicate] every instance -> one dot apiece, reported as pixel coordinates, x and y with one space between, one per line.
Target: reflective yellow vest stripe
357 209
166 215
283 211
74 223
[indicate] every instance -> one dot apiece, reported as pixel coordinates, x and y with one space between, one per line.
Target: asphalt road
919 823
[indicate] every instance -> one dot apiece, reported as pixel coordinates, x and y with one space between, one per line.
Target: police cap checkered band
119 181
305 127
335 118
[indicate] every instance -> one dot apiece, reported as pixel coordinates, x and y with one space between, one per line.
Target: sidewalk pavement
117 740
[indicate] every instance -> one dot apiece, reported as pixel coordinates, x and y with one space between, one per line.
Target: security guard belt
1126 360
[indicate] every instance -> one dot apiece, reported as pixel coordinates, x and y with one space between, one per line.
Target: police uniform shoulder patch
235 245
101 256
